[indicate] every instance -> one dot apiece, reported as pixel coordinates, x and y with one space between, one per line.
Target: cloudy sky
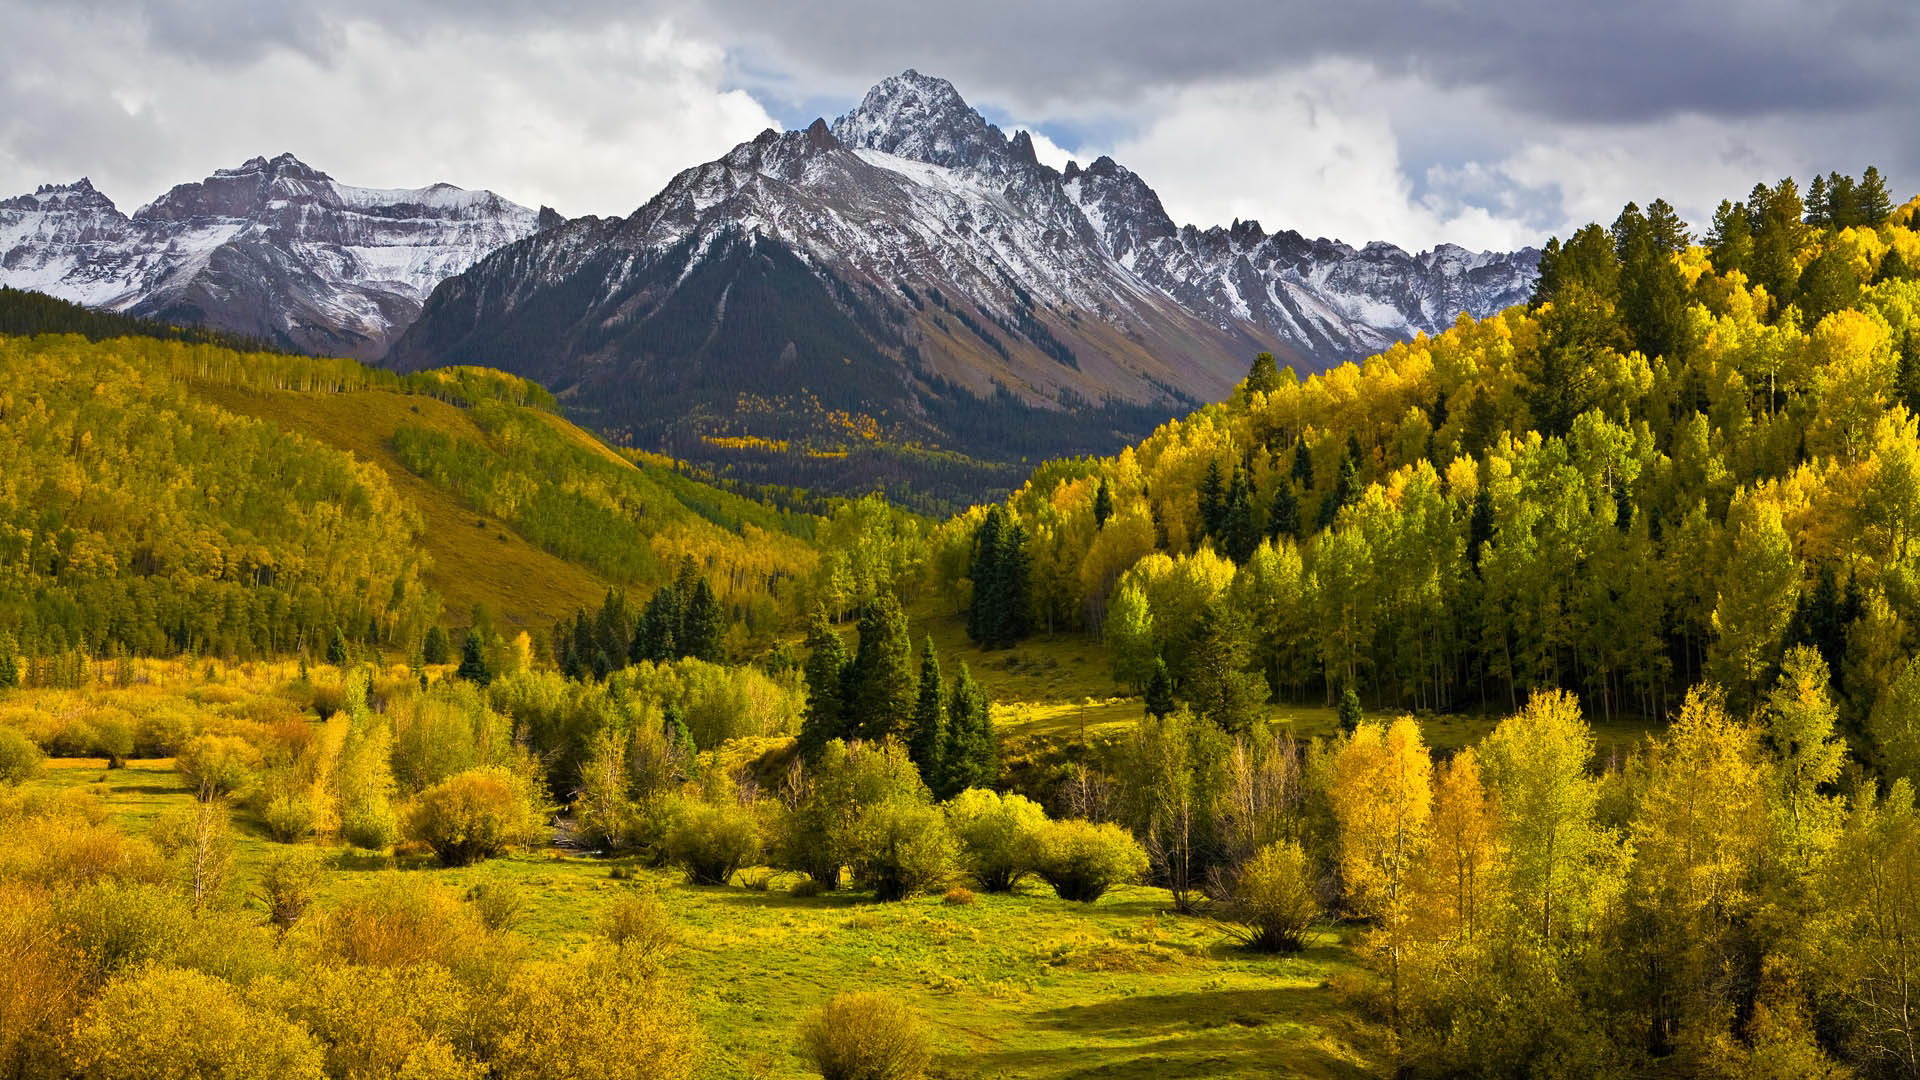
1490 124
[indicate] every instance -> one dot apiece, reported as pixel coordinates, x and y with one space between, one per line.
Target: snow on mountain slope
913 265
274 249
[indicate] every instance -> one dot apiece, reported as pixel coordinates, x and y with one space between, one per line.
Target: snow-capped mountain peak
273 248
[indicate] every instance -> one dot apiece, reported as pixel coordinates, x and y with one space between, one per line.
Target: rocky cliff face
273 249
911 271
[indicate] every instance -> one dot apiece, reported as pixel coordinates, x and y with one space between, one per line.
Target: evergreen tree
1263 377
612 630
1479 527
435 649
1893 267
985 615
1102 505
657 637
1906 380
1344 490
1349 713
1213 502
879 695
1819 211
337 651
1302 465
673 723
1159 699
1827 285
1240 530
1218 683
701 626
1843 201
825 672
473 660
971 756
1731 240
1284 518
9 663
927 739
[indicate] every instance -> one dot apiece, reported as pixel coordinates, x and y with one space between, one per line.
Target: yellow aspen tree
1537 766
1381 791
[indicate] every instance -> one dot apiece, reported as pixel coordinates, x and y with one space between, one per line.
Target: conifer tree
1102 505
927 739
1819 212
337 651
701 626
657 638
1349 714
1213 502
985 614
1218 683
971 756
1731 240
1159 698
9 663
1240 530
1264 376
613 628
1284 517
435 649
473 660
1906 382
1344 490
1302 465
880 684
825 671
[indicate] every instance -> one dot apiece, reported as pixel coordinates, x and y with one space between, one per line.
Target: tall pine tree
971 757
927 739
825 671
880 685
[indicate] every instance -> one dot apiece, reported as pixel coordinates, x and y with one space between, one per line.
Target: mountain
911 277
273 250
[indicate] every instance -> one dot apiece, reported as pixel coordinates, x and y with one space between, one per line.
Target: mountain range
905 294
274 250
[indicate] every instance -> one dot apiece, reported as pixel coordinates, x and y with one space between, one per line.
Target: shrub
289 816
164 1023
595 1015
866 1036
20 759
712 840
1082 860
216 765
999 836
412 1022
288 884
823 832
41 990
1275 899
902 848
398 919
474 815
959 896
637 925
119 926
500 904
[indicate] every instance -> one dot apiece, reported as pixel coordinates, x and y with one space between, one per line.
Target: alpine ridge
909 275
273 249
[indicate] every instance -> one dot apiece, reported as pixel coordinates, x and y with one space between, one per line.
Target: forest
1533 699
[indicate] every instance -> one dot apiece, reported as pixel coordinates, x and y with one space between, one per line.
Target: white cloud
588 120
1314 150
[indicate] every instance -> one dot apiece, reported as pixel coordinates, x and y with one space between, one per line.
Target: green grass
1020 985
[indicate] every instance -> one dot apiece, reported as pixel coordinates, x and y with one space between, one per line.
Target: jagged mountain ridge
912 263
273 249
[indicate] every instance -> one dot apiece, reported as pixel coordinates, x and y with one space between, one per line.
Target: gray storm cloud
1494 122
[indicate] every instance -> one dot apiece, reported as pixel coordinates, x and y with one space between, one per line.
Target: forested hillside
169 497
1686 455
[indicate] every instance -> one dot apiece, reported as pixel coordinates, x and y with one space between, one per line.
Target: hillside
1680 460
154 505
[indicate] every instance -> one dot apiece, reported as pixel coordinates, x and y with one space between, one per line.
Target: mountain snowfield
273 249
910 261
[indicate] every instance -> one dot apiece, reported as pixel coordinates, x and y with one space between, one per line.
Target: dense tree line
1685 456
875 693
137 517
681 620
